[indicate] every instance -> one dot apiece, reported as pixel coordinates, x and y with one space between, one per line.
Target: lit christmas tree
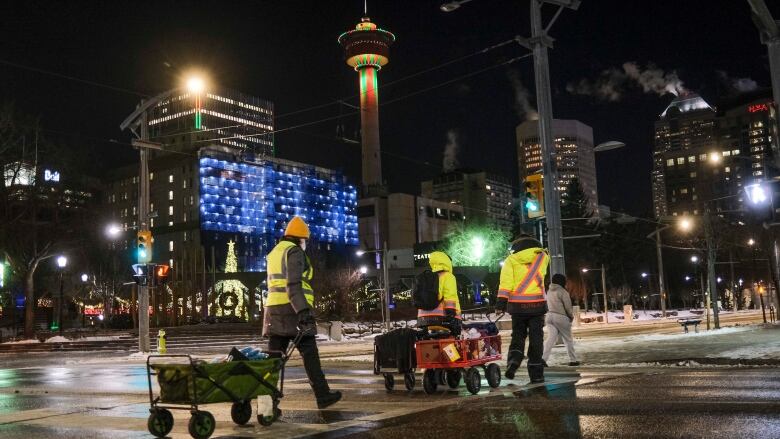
231 292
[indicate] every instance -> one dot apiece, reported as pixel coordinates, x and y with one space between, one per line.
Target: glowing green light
197 120
532 205
484 245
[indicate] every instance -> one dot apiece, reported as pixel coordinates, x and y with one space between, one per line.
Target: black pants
531 327
311 360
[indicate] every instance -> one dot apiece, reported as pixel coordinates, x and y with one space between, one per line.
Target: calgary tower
367 49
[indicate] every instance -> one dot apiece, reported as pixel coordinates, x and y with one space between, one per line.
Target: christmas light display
231 291
259 198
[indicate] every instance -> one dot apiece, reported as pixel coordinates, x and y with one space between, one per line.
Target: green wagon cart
186 383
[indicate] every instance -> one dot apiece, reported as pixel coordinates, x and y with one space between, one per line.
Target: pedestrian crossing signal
161 273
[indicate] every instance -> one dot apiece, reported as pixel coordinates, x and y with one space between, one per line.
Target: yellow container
452 352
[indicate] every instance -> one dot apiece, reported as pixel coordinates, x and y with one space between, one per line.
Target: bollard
161 339
628 314
576 311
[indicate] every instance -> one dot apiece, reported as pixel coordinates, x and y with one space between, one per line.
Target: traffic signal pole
143 217
539 43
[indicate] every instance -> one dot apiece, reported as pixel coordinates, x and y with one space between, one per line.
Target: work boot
328 399
574 363
511 368
536 373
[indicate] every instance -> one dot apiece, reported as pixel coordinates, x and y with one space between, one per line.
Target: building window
170 210
692 159
170 263
184 183
192 200
680 160
684 190
670 162
151 176
170 178
728 169
735 152
726 153
151 223
170 195
702 157
170 246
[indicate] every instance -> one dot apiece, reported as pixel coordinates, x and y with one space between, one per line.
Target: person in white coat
559 318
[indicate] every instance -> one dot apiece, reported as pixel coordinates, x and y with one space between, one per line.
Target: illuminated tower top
367 45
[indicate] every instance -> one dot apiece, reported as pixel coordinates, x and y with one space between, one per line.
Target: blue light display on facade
258 198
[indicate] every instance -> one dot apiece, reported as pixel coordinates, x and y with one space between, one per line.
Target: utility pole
659 254
387 286
539 42
143 217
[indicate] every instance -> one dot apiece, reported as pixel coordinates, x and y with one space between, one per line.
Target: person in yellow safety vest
448 311
521 293
290 306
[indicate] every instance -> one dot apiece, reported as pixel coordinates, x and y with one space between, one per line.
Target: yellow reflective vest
448 288
278 293
522 280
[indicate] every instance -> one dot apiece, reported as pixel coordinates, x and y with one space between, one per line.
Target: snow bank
58 339
29 341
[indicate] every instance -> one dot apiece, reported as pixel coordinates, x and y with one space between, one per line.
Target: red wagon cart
447 360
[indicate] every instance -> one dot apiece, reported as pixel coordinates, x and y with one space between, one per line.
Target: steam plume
612 83
451 151
523 107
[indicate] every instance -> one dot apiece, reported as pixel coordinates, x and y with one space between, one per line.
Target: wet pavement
87 401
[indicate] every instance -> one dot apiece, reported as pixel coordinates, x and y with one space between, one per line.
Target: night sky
286 51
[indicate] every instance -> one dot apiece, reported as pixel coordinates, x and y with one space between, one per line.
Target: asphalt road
100 401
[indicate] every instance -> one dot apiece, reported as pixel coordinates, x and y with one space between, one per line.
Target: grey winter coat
559 301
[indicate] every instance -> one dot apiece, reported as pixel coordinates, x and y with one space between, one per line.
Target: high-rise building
710 157
188 121
483 196
200 203
685 130
575 158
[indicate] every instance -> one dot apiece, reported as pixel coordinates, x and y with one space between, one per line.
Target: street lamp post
113 231
139 119
62 262
385 299
685 225
603 288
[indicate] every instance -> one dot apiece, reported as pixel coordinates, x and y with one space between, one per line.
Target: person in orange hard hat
290 306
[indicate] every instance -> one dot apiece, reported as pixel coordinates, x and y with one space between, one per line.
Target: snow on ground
769 350
28 341
58 339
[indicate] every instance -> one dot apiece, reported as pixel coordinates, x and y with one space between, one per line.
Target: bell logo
49 175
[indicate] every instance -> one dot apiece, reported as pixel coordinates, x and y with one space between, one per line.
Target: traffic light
144 246
161 272
534 196
141 274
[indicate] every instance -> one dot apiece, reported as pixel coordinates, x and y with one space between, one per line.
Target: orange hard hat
297 228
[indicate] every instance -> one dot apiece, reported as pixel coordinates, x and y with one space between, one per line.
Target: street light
603 288
363 269
694 259
195 84
685 224
715 158
757 193
751 242
644 275
84 277
113 231
62 262
360 253
608 146
451 6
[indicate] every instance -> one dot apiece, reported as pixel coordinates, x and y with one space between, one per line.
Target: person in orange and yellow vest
521 293
448 312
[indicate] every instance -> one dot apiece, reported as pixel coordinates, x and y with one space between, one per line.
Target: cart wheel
409 381
241 412
389 382
441 377
453 378
202 425
473 381
493 375
160 422
430 381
